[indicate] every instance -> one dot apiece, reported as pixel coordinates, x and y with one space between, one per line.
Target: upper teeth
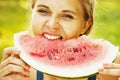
51 36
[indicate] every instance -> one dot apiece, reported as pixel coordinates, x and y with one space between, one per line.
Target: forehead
61 4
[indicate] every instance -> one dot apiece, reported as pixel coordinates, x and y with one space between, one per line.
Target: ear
87 25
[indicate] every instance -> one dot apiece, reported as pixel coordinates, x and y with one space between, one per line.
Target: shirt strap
39 75
92 78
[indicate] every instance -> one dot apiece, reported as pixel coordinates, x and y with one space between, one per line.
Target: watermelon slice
73 58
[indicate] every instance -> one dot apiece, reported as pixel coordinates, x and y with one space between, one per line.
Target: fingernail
27 66
17 50
27 71
105 64
100 70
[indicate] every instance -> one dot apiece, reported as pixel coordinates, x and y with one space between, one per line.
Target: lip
51 36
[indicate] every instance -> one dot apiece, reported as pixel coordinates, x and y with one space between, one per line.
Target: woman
55 19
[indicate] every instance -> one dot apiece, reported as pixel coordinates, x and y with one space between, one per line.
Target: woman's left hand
110 69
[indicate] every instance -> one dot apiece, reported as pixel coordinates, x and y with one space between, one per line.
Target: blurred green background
14 18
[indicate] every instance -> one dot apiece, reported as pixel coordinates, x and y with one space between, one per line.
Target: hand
110 69
12 67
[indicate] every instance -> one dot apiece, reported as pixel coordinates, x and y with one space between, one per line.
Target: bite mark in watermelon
72 58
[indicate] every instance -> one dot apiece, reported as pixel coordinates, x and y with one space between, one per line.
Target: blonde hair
88 7
33 3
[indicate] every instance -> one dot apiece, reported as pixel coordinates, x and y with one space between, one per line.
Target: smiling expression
56 19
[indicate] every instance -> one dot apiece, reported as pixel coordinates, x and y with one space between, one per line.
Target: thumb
11 51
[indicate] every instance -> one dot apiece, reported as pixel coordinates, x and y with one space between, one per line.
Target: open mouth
52 37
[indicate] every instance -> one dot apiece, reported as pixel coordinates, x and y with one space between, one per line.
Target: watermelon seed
49 56
75 49
55 50
79 50
69 49
53 54
83 55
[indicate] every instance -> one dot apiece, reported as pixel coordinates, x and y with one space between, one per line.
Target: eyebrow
69 11
62 11
43 6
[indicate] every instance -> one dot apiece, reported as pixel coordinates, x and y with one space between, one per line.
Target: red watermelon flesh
65 58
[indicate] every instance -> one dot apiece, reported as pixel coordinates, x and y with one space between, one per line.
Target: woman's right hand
12 67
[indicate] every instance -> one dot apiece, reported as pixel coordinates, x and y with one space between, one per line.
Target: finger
15 77
10 68
111 66
15 61
114 72
9 51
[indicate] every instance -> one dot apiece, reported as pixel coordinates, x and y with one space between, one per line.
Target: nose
53 23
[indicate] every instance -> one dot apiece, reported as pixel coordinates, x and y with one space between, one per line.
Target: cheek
38 23
72 28
37 20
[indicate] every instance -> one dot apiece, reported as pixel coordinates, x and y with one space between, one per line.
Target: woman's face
56 19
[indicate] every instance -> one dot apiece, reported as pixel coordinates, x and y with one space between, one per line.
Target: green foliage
107 21
13 18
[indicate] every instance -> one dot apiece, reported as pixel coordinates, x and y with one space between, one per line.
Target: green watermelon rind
34 64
